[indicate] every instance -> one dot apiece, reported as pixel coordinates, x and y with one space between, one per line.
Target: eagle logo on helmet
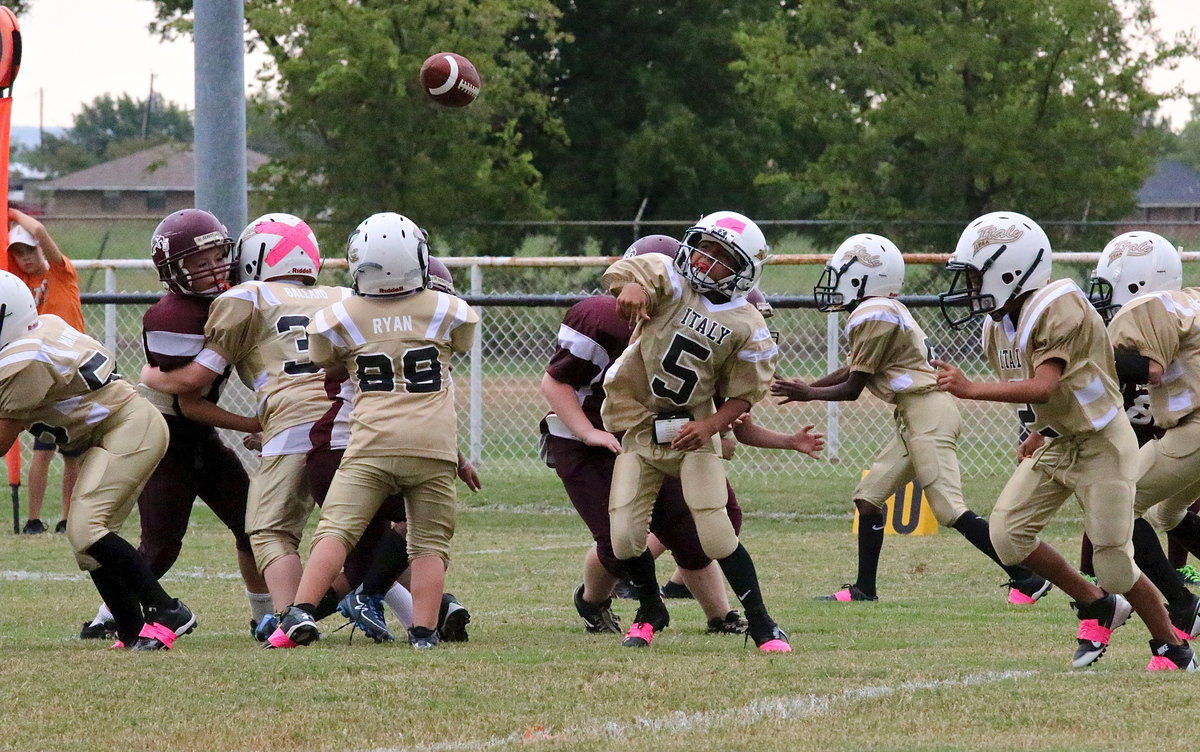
1129 248
864 257
992 235
160 243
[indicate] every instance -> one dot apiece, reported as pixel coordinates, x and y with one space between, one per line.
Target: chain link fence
521 303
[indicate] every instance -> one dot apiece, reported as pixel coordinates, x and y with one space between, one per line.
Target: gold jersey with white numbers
259 327
1165 327
60 384
397 350
1058 321
888 344
690 350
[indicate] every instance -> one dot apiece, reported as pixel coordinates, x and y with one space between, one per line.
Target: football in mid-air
450 79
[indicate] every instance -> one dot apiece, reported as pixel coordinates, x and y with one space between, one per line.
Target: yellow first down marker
906 512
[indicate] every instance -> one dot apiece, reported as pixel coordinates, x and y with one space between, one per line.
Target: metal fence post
832 359
476 420
110 310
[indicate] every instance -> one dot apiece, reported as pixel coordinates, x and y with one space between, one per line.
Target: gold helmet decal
1129 248
992 235
864 257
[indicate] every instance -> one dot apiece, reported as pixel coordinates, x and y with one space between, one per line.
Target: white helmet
18 312
738 235
277 245
388 255
863 266
998 257
1132 264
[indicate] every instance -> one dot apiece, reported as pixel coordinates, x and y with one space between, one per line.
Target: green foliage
1186 146
107 128
360 136
931 109
652 113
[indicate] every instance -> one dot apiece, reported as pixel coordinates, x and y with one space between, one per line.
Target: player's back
61 382
260 328
1165 327
888 343
398 352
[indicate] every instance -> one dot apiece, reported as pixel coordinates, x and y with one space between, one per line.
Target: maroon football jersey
591 337
173 334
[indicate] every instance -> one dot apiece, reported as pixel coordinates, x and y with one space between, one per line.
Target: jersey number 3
674 364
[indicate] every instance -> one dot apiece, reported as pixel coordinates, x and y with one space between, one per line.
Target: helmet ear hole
1008 277
1134 287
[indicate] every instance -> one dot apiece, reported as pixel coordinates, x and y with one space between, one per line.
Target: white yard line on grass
796 707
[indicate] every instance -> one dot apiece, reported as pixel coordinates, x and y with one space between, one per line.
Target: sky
76 50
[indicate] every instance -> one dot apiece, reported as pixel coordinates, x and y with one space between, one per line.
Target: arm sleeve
326 346
25 390
748 374
166 343
1146 329
870 345
462 335
580 355
1056 334
231 328
653 271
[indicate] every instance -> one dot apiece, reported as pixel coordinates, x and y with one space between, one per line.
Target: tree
358 134
1185 147
936 109
109 127
651 111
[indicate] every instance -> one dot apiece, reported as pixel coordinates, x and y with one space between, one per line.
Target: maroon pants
586 473
320 465
197 464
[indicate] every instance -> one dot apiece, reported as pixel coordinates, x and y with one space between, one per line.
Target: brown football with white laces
450 79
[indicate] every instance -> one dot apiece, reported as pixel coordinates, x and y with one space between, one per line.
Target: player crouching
59 383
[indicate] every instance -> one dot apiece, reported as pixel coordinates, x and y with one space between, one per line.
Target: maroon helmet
439 277
183 234
756 298
663 244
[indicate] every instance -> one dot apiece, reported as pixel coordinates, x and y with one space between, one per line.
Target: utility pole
146 112
220 140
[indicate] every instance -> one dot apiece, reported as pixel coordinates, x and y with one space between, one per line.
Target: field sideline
940 663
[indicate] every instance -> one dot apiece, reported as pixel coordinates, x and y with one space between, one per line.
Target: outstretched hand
792 390
807 442
950 378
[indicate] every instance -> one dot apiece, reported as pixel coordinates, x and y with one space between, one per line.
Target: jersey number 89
420 367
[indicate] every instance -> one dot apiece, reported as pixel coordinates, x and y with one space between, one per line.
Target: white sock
102 615
400 601
260 605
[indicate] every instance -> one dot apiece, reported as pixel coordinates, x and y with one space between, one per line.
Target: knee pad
628 534
1012 546
716 532
269 546
1115 570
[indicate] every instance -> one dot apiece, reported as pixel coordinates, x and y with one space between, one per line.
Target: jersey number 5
687 377
420 366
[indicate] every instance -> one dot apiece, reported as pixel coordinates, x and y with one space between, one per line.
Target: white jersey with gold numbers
397 350
259 327
887 343
60 383
1165 327
689 350
1058 321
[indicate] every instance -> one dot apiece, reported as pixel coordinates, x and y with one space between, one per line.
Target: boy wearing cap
35 259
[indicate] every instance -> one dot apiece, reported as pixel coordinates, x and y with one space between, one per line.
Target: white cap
18 234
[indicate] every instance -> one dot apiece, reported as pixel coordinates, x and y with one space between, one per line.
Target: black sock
307 608
328 604
870 543
1187 533
121 601
1150 558
975 529
739 572
114 551
388 560
645 585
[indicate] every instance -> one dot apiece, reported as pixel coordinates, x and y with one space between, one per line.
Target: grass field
941 662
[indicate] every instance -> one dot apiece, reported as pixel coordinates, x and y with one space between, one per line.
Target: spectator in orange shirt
34 257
